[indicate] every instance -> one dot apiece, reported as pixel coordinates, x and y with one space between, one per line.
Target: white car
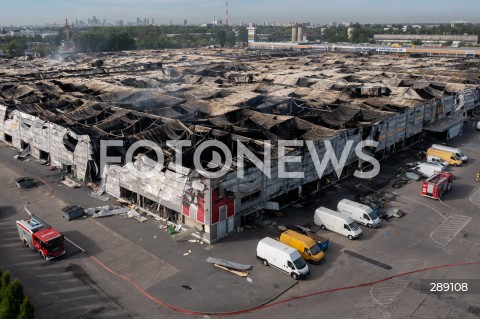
436 160
478 125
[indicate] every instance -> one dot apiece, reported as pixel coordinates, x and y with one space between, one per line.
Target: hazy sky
20 12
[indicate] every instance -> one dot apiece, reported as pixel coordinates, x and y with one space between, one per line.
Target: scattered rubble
228 264
70 183
106 211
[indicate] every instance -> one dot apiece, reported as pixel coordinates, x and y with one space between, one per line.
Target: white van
437 160
429 169
458 153
360 213
283 257
337 222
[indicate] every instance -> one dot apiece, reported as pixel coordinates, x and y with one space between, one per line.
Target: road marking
475 198
440 200
416 201
368 260
386 292
71 242
447 230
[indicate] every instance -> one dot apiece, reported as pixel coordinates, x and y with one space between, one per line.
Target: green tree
15 46
11 300
417 42
231 38
242 35
4 282
26 310
221 37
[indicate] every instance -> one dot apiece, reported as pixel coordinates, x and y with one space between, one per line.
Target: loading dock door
454 131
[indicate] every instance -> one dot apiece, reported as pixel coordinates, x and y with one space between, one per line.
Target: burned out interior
61 109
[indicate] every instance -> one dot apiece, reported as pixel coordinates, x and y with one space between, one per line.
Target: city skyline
29 12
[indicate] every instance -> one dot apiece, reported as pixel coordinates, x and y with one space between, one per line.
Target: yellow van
447 156
306 246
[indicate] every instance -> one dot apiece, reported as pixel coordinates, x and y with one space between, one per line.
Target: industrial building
425 38
59 111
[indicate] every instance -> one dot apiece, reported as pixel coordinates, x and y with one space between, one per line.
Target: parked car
337 222
437 160
450 157
306 246
458 152
360 213
283 257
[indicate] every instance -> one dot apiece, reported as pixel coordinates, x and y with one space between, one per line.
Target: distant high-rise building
153 21
185 22
300 34
139 22
294 34
226 13
251 33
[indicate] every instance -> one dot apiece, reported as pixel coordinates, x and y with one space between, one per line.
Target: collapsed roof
224 94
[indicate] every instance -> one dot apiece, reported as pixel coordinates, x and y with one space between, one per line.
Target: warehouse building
257 99
426 38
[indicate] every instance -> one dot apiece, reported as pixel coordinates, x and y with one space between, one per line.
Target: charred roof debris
62 109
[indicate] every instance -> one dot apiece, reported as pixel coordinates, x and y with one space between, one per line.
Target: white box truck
288 259
337 222
360 213
458 152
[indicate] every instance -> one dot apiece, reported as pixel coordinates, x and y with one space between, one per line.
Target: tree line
13 303
101 39
154 37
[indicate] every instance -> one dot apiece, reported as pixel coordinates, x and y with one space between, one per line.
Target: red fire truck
435 186
41 237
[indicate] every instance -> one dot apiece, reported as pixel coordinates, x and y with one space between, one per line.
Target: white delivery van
429 169
360 213
458 153
337 222
283 257
437 160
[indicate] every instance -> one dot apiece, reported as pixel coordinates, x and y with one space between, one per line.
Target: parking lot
432 233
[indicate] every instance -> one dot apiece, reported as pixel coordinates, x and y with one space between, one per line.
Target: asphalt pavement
431 234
